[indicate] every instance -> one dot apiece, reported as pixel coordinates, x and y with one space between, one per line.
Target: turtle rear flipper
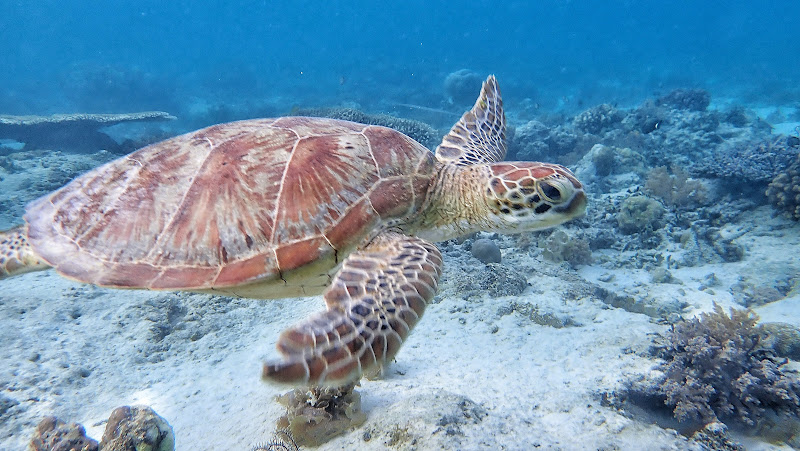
17 255
373 303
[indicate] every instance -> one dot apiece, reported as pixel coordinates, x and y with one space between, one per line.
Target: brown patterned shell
231 205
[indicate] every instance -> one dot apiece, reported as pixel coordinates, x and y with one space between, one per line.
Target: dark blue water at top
101 56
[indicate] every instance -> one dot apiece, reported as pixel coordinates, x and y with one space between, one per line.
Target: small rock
486 251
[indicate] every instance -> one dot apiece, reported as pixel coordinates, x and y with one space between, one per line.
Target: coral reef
719 368
597 119
317 414
460 87
419 131
137 428
784 191
53 434
640 214
686 99
76 132
486 251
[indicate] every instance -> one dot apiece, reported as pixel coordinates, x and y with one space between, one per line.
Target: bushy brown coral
720 367
675 189
784 191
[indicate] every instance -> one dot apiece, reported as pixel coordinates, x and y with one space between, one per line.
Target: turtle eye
550 192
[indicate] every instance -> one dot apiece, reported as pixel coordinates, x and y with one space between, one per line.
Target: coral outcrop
53 434
748 161
638 214
315 415
686 99
562 247
597 119
136 428
460 87
419 131
784 191
76 132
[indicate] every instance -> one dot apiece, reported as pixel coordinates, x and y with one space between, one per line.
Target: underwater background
266 56
668 315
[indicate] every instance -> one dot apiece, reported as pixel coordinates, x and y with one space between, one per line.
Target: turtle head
526 196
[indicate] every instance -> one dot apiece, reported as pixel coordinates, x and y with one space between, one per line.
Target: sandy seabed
474 374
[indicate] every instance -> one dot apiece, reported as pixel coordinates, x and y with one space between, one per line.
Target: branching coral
720 367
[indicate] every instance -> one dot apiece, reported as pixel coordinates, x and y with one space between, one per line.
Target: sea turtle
296 206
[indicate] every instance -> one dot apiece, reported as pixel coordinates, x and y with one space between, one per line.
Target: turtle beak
576 207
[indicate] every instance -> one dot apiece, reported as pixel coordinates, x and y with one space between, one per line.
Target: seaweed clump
317 414
722 368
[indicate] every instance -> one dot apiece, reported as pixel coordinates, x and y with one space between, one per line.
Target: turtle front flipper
373 303
17 255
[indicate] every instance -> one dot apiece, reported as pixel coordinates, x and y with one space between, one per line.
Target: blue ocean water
100 56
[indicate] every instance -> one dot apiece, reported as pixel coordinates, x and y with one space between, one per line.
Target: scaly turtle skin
271 208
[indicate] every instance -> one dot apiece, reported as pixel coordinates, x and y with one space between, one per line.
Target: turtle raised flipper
16 254
480 135
373 303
